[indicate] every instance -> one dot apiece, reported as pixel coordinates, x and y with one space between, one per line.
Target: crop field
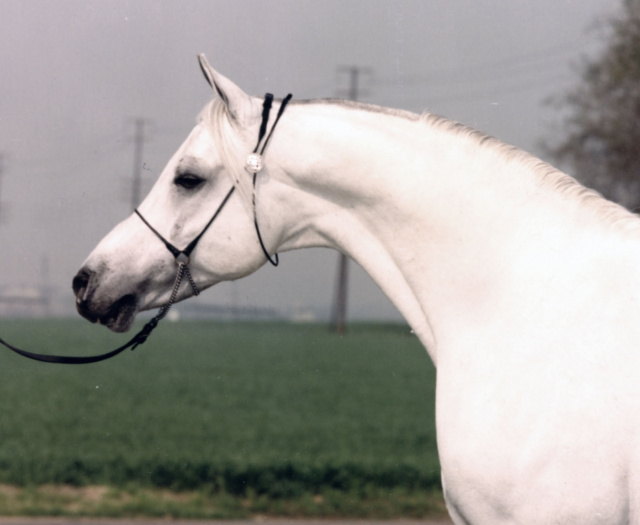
267 410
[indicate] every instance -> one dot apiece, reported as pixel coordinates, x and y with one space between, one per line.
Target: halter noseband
254 165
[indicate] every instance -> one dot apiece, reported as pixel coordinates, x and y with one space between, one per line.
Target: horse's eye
188 181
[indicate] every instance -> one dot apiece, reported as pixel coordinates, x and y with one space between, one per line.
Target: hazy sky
75 73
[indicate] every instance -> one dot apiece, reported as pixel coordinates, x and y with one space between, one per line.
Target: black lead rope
133 343
182 257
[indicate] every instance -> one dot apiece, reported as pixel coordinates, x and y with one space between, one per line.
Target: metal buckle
253 163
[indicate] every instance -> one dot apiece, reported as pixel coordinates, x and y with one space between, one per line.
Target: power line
477 92
502 68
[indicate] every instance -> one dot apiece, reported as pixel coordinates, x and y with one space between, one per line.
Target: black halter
182 257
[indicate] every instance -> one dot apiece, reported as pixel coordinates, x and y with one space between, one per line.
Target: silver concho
253 163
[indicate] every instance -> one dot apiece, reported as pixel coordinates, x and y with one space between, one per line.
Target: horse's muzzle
117 315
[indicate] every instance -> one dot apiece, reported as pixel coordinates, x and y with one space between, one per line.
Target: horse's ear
236 100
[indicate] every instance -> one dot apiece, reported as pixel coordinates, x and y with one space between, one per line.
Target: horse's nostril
81 288
81 283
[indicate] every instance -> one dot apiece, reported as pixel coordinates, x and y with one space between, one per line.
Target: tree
603 124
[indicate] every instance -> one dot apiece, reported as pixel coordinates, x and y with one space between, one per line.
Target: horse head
131 270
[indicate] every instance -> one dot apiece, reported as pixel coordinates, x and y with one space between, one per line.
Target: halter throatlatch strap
182 257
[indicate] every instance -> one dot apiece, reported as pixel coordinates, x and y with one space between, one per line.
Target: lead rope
133 343
183 270
142 335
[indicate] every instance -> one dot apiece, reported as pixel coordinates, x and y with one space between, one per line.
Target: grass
220 420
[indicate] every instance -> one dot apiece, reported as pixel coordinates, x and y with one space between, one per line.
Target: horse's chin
121 314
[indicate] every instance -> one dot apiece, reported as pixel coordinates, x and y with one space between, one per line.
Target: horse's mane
545 175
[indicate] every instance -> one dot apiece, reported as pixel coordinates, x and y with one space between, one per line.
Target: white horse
523 286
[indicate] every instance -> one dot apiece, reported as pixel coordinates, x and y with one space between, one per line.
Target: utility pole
1 170
1 174
339 310
138 142
46 289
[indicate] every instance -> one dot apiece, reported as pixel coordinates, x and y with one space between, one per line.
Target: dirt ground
98 521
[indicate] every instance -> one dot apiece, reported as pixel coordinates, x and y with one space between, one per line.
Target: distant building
25 301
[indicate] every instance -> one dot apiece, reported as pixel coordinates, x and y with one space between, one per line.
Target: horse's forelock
230 148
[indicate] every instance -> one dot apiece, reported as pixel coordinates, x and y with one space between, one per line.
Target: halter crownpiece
254 163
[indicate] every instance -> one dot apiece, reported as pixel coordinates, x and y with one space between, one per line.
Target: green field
250 411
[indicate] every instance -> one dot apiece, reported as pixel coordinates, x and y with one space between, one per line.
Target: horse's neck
397 170
434 216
